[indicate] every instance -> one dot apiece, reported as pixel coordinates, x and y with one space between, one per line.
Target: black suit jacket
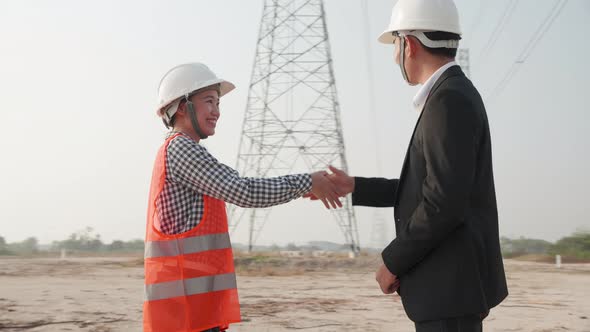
447 249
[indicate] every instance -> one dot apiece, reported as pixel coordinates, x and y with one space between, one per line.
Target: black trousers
471 323
215 329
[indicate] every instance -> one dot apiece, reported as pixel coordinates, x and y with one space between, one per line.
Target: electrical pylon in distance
463 61
292 118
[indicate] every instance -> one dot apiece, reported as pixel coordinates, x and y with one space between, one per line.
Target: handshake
329 187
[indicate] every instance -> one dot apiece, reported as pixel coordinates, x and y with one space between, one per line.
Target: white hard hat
181 81
422 15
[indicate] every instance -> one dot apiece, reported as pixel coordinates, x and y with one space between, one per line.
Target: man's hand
323 189
387 281
342 182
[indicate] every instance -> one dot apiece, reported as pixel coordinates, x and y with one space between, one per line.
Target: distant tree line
576 245
523 246
82 241
28 246
87 240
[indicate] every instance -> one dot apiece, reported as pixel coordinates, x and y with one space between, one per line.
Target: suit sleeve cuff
359 188
390 262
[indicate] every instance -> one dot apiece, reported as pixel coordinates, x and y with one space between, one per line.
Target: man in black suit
445 261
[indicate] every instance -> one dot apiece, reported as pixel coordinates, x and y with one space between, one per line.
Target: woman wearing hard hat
190 283
445 261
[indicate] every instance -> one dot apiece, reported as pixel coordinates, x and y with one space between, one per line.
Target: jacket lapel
452 71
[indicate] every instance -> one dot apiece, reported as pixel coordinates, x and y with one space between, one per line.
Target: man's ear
412 46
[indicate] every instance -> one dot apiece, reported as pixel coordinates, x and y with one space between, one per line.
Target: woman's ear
181 107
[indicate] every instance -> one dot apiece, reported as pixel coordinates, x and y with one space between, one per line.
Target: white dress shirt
420 97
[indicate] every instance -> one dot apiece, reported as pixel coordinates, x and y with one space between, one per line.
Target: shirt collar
420 97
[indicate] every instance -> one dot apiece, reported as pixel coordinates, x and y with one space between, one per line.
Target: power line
379 231
482 6
370 76
506 15
528 49
559 5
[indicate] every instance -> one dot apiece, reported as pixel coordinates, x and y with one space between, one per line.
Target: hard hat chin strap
402 59
193 116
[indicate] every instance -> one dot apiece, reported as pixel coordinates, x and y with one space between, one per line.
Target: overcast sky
79 134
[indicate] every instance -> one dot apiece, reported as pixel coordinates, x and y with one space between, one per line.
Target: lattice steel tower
463 61
292 119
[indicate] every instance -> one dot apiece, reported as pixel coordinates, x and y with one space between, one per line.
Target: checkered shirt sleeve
191 172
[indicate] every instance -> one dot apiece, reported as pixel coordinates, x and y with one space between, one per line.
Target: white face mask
402 56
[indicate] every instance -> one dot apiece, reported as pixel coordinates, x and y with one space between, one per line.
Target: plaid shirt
191 172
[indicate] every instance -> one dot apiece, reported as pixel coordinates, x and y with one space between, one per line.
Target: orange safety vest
190 282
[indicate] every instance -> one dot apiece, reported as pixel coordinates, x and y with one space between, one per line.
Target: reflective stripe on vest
194 286
190 245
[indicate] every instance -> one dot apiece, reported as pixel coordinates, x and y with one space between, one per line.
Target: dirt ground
277 294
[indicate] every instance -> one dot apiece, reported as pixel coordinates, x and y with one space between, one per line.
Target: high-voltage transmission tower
292 119
463 61
379 228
